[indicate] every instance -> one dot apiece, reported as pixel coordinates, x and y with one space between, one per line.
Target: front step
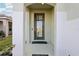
39 54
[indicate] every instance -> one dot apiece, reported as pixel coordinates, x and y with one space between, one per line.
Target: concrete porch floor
40 49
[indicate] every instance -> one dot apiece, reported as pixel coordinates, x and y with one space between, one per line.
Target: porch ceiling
39 6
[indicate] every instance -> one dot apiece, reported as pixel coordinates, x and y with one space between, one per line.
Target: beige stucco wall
52 28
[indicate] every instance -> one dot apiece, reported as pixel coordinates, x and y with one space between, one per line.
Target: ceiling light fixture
42 3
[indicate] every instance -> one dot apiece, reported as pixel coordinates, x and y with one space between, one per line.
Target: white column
60 18
18 29
6 27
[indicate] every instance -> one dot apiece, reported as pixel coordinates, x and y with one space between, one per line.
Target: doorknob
25 42
32 29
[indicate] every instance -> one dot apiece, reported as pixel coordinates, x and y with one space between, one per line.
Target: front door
39 27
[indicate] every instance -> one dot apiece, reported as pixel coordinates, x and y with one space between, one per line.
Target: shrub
2 34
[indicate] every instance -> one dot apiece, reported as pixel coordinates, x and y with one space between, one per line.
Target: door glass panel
39 29
39 26
39 17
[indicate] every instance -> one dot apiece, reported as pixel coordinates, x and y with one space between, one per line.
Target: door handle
32 29
25 42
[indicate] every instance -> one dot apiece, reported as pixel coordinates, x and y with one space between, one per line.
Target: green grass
6 42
